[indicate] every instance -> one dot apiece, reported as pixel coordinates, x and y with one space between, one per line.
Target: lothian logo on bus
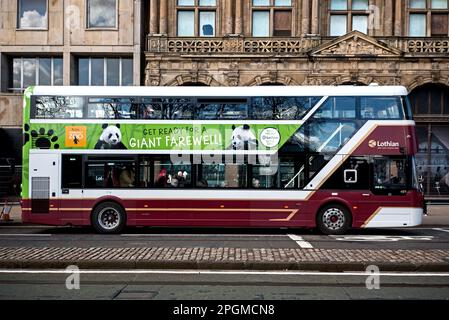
383 144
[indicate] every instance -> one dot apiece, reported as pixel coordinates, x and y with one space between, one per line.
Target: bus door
354 181
72 192
44 182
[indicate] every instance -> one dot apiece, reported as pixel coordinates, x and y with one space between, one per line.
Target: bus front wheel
108 217
334 219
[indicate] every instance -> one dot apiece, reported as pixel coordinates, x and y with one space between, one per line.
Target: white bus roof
222 91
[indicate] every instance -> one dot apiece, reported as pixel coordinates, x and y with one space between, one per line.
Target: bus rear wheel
334 219
108 218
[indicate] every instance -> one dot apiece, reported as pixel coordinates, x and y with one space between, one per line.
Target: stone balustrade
282 46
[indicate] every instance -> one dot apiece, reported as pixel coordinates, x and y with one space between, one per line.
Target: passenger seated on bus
148 112
162 179
127 177
174 183
111 179
368 113
256 183
181 178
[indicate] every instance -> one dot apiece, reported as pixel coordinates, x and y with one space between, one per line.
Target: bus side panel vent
40 195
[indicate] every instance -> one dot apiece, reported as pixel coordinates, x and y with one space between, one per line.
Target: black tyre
334 219
108 218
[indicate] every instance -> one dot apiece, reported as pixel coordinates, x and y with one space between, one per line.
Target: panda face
112 135
114 138
241 137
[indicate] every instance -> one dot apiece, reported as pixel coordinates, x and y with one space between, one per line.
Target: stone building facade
311 42
62 42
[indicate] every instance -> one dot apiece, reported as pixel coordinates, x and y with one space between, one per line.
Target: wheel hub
109 218
333 219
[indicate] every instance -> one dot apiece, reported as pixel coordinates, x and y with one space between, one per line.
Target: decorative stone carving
157 44
230 45
195 46
233 44
152 73
428 46
279 46
273 75
232 78
355 44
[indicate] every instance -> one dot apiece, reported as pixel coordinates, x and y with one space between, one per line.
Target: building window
272 18
95 71
347 16
32 14
428 18
101 13
36 71
196 18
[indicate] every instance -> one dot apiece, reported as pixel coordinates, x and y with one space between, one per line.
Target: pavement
205 287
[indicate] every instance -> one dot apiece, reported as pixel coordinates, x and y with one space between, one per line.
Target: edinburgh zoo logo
383 144
270 137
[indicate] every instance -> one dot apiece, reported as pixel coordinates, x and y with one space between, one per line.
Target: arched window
430 99
430 105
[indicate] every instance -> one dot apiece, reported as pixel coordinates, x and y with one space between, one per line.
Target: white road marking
300 241
363 238
440 229
25 235
226 272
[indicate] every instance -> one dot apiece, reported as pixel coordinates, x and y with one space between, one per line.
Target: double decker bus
328 157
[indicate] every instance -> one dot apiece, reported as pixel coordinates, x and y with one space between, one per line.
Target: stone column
388 25
305 16
238 17
153 17
229 21
68 69
163 18
398 18
315 17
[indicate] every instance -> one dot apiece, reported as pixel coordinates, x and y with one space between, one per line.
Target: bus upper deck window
59 107
150 109
337 108
177 109
107 108
262 108
215 110
381 108
282 108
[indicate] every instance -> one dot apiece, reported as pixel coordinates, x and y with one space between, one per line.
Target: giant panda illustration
243 138
111 138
